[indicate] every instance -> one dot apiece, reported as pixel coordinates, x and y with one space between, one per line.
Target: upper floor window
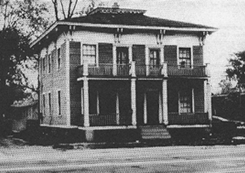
185 101
122 55
59 58
185 57
89 53
43 62
154 57
49 63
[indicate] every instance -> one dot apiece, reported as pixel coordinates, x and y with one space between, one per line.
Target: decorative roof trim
116 11
121 26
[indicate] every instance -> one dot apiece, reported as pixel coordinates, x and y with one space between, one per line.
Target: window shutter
75 53
105 53
170 54
139 54
197 55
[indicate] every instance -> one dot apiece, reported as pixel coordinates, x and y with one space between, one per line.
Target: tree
226 86
22 22
237 70
67 9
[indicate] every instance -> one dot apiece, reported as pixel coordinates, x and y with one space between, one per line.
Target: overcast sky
227 15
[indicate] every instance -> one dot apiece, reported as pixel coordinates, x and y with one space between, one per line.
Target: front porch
145 102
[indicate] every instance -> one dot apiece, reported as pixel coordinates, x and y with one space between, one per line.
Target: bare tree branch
69 9
63 10
55 3
74 7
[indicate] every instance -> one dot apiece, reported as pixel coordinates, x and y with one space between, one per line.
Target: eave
64 23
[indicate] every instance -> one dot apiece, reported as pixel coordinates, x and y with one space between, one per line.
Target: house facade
118 69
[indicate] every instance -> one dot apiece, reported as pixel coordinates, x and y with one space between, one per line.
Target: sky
226 15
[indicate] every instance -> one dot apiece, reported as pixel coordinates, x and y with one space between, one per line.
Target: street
152 159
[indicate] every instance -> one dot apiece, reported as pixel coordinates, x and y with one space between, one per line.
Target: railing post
164 70
114 68
207 72
132 69
85 69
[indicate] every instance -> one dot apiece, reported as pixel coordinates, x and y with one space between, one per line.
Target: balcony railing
149 70
186 70
102 120
188 119
126 70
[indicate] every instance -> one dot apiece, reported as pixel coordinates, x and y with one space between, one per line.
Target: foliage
23 20
237 69
226 86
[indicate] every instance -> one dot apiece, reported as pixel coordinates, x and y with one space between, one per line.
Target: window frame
190 66
50 103
190 99
59 102
49 63
87 55
44 104
58 58
159 57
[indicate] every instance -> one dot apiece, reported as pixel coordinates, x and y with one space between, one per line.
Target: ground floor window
185 101
59 102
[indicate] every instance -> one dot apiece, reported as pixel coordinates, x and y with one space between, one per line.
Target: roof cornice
194 29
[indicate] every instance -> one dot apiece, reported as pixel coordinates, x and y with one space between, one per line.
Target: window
89 53
59 103
49 101
185 101
154 56
122 55
43 63
59 58
43 104
49 63
185 57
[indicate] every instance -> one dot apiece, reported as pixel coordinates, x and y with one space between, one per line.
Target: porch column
145 109
114 53
133 101
165 101
209 101
86 102
130 54
117 110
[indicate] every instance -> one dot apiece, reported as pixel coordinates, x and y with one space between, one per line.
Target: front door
152 107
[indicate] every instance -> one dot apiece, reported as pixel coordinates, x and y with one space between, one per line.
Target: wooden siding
197 55
75 88
105 53
139 54
170 54
51 83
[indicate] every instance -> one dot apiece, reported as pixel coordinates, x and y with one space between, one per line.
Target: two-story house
119 72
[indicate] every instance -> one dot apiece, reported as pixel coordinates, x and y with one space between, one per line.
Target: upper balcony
132 70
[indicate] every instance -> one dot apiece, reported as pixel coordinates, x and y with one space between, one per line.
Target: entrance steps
152 132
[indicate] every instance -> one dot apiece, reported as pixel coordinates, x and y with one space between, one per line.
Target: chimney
115 5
